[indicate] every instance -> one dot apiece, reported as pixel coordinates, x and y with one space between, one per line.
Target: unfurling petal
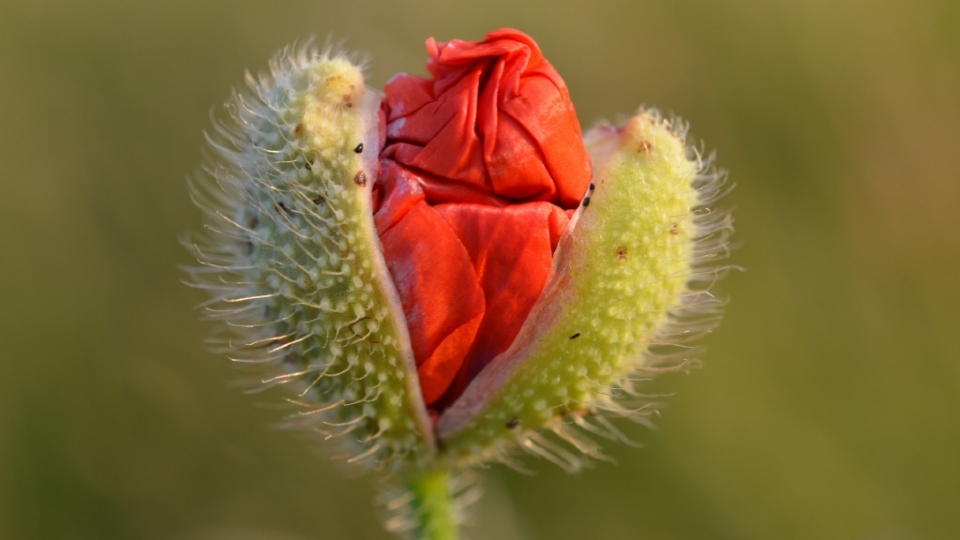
491 142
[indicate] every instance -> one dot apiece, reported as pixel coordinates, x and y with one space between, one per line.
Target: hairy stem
433 506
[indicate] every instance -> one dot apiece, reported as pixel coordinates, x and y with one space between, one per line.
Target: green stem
433 507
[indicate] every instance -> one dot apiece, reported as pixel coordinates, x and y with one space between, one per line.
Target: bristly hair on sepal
291 260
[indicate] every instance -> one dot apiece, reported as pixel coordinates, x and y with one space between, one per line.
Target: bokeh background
829 401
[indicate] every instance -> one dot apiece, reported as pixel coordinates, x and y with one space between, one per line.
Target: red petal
396 192
441 297
512 254
497 116
482 167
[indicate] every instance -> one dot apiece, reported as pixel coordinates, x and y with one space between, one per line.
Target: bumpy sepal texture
293 262
627 285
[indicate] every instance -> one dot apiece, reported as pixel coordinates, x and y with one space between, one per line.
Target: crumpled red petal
496 116
480 170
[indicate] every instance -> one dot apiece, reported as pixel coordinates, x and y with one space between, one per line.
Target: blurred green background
829 402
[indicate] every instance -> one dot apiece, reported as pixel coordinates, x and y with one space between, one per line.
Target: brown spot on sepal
360 178
621 252
513 423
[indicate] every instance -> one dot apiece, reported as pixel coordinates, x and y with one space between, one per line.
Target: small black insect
359 149
586 201
513 423
575 336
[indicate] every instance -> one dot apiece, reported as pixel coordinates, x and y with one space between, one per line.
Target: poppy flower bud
446 270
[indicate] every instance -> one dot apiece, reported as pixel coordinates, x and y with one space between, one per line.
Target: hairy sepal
294 263
620 284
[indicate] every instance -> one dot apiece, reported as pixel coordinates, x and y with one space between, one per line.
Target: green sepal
295 264
619 272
